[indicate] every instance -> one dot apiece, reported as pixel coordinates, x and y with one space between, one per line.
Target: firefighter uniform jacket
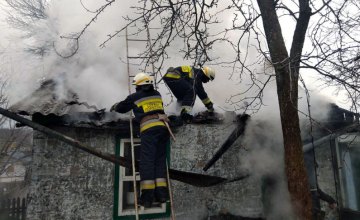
154 139
143 103
186 82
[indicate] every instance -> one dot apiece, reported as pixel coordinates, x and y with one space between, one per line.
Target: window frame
151 213
344 212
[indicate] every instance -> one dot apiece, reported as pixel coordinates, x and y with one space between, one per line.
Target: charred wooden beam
194 179
239 130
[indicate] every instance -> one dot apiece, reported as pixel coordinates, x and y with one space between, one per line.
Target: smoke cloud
99 76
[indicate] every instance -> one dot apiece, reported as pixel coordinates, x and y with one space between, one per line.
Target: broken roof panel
54 103
84 119
51 98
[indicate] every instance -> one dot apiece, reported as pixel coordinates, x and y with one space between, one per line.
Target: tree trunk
286 70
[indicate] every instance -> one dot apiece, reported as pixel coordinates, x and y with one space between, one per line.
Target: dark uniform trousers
186 82
153 163
182 89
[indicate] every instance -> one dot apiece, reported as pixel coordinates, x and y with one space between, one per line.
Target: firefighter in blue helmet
186 83
147 106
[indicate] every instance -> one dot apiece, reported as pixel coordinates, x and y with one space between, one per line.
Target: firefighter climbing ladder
131 132
148 41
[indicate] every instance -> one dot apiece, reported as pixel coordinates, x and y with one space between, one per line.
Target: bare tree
15 143
331 26
3 85
334 55
24 15
15 147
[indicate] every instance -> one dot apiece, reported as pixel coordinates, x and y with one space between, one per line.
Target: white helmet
142 79
209 72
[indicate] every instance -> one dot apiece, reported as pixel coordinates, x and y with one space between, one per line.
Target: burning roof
54 103
50 98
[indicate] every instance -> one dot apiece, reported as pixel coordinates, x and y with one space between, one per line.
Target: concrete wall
195 146
69 184
325 177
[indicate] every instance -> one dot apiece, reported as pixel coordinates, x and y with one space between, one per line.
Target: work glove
113 107
210 107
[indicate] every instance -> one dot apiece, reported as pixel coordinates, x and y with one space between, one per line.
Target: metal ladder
128 58
132 133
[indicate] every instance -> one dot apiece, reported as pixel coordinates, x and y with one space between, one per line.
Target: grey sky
97 69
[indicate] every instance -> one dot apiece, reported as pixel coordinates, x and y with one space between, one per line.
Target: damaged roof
53 103
50 98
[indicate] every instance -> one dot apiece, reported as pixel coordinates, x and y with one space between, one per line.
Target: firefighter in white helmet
147 106
186 82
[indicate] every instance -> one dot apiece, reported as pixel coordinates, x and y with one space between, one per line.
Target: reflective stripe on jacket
193 76
143 103
180 72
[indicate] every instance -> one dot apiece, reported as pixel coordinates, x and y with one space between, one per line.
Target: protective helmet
142 79
209 72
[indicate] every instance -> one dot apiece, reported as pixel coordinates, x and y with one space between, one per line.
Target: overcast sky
94 60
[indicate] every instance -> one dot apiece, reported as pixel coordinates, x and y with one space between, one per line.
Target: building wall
69 184
195 145
326 179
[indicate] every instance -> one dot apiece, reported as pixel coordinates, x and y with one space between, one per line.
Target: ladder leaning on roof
151 60
132 133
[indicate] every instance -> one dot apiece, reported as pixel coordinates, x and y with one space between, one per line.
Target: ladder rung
134 76
137 40
137 57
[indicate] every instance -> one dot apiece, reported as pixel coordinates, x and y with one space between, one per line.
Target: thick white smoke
99 76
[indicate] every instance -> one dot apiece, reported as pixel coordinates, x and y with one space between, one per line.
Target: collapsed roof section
337 120
55 104
50 98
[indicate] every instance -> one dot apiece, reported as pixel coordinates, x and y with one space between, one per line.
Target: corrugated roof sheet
54 103
50 98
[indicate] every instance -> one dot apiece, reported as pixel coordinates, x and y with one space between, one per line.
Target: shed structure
67 183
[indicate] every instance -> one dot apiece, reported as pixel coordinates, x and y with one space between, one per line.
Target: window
124 189
348 160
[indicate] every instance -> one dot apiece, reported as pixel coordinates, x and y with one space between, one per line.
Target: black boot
146 198
161 194
186 117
